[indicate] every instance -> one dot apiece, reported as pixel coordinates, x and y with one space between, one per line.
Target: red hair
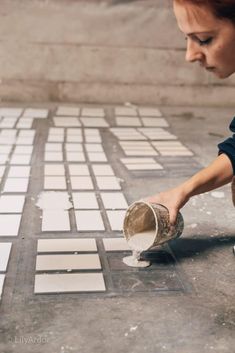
223 9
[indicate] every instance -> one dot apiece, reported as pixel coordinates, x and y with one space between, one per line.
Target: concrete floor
200 317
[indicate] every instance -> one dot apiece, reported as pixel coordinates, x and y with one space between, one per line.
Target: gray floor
183 303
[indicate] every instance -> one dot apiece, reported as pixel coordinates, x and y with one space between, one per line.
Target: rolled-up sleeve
228 146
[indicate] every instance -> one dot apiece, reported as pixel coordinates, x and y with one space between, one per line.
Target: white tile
12 203
23 150
53 156
20 159
127 121
55 221
2 279
102 169
116 219
55 138
54 169
92 132
129 111
66 121
74 138
94 122
150 152
81 183
8 132
16 112
36 113
116 244
24 124
5 149
155 166
78 169
69 282
74 147
16 185
64 110
53 147
7 140
19 172
54 200
85 200
56 131
55 182
114 200
74 131
2 170
148 111
137 160
176 153
3 158
27 133
24 140
108 183
75 156
89 221
66 245
97 112
68 262
94 147
9 224
8 122
93 139
5 249
155 122
97 157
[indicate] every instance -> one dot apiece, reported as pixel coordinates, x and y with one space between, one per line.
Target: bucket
148 224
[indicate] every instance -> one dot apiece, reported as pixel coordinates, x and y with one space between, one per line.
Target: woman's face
210 41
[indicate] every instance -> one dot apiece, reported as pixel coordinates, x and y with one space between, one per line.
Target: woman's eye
205 42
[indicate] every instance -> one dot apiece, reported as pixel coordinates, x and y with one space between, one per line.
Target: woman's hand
173 200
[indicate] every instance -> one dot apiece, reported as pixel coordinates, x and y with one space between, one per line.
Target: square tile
68 262
12 203
102 169
97 157
19 172
20 159
116 219
2 279
81 183
69 282
64 110
75 156
114 200
55 182
78 169
66 245
5 249
85 200
16 185
55 221
54 169
107 183
9 225
116 244
97 112
53 156
89 221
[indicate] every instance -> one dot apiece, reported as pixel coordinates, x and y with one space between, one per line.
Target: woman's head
209 27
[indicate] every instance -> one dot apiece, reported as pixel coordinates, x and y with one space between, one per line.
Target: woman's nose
193 52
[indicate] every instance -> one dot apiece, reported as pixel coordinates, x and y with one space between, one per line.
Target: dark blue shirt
228 146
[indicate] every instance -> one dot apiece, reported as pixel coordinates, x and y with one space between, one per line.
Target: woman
209 28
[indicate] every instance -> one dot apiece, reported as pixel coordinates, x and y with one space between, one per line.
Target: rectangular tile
74 138
176 153
54 169
128 111
75 156
19 172
53 147
24 140
94 147
116 219
5 249
149 111
2 170
2 279
12 203
5 149
97 157
16 185
78 169
23 150
68 262
81 183
102 169
89 221
114 200
66 245
155 122
3 158
66 121
69 282
55 221
154 166
140 152
55 182
9 224
94 122
16 112
56 131
74 131
85 200
53 156
24 124
127 121
116 244
97 112
137 160
64 110
36 113
55 138
107 183
20 159
74 147
93 139
8 122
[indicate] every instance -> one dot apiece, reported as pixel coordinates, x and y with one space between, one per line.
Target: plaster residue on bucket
54 200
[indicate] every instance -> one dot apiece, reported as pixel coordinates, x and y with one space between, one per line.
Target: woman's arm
218 173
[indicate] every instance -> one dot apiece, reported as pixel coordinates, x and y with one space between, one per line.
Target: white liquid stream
138 243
